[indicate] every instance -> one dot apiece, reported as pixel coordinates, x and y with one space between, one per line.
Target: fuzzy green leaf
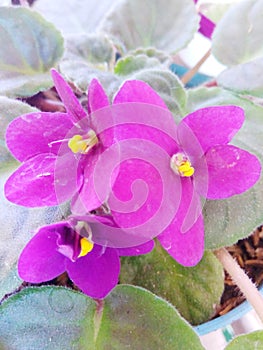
17 227
74 16
194 291
9 109
227 221
167 25
57 318
238 36
30 46
244 78
251 341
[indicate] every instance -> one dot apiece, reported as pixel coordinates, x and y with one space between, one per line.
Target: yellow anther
181 165
185 169
82 144
85 247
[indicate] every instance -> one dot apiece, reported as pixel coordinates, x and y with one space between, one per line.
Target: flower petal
183 239
35 133
231 171
70 101
32 184
40 261
97 97
98 168
146 192
138 91
138 250
96 274
206 26
36 183
209 127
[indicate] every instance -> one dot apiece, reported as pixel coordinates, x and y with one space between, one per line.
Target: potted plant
123 181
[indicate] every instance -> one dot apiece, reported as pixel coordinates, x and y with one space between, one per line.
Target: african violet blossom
197 162
59 151
68 246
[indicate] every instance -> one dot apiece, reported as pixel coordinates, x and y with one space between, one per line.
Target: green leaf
73 16
135 318
95 49
17 227
245 78
47 318
30 46
167 85
81 73
194 291
227 221
130 64
90 56
57 318
9 109
167 25
238 36
251 341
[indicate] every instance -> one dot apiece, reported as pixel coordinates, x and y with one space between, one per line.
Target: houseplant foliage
58 151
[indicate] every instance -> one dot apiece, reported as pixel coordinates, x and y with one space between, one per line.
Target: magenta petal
186 248
40 261
138 250
97 273
183 239
206 26
36 133
32 184
70 101
97 183
209 126
231 171
97 97
138 91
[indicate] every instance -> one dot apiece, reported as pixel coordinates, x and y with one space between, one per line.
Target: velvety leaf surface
58 318
194 291
227 221
238 36
81 73
47 318
9 109
74 16
30 46
244 78
251 341
17 227
152 23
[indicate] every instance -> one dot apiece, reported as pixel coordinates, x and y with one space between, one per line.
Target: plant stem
189 75
246 286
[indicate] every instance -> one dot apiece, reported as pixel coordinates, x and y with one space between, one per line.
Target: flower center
85 247
85 243
83 144
181 165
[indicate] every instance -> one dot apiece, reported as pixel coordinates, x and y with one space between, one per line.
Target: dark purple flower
68 246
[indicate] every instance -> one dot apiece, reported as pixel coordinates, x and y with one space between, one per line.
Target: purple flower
68 246
206 25
160 190
60 152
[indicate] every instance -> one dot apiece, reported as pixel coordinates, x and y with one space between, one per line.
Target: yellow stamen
85 247
185 169
82 144
181 165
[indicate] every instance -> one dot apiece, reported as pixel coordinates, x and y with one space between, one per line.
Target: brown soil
249 255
